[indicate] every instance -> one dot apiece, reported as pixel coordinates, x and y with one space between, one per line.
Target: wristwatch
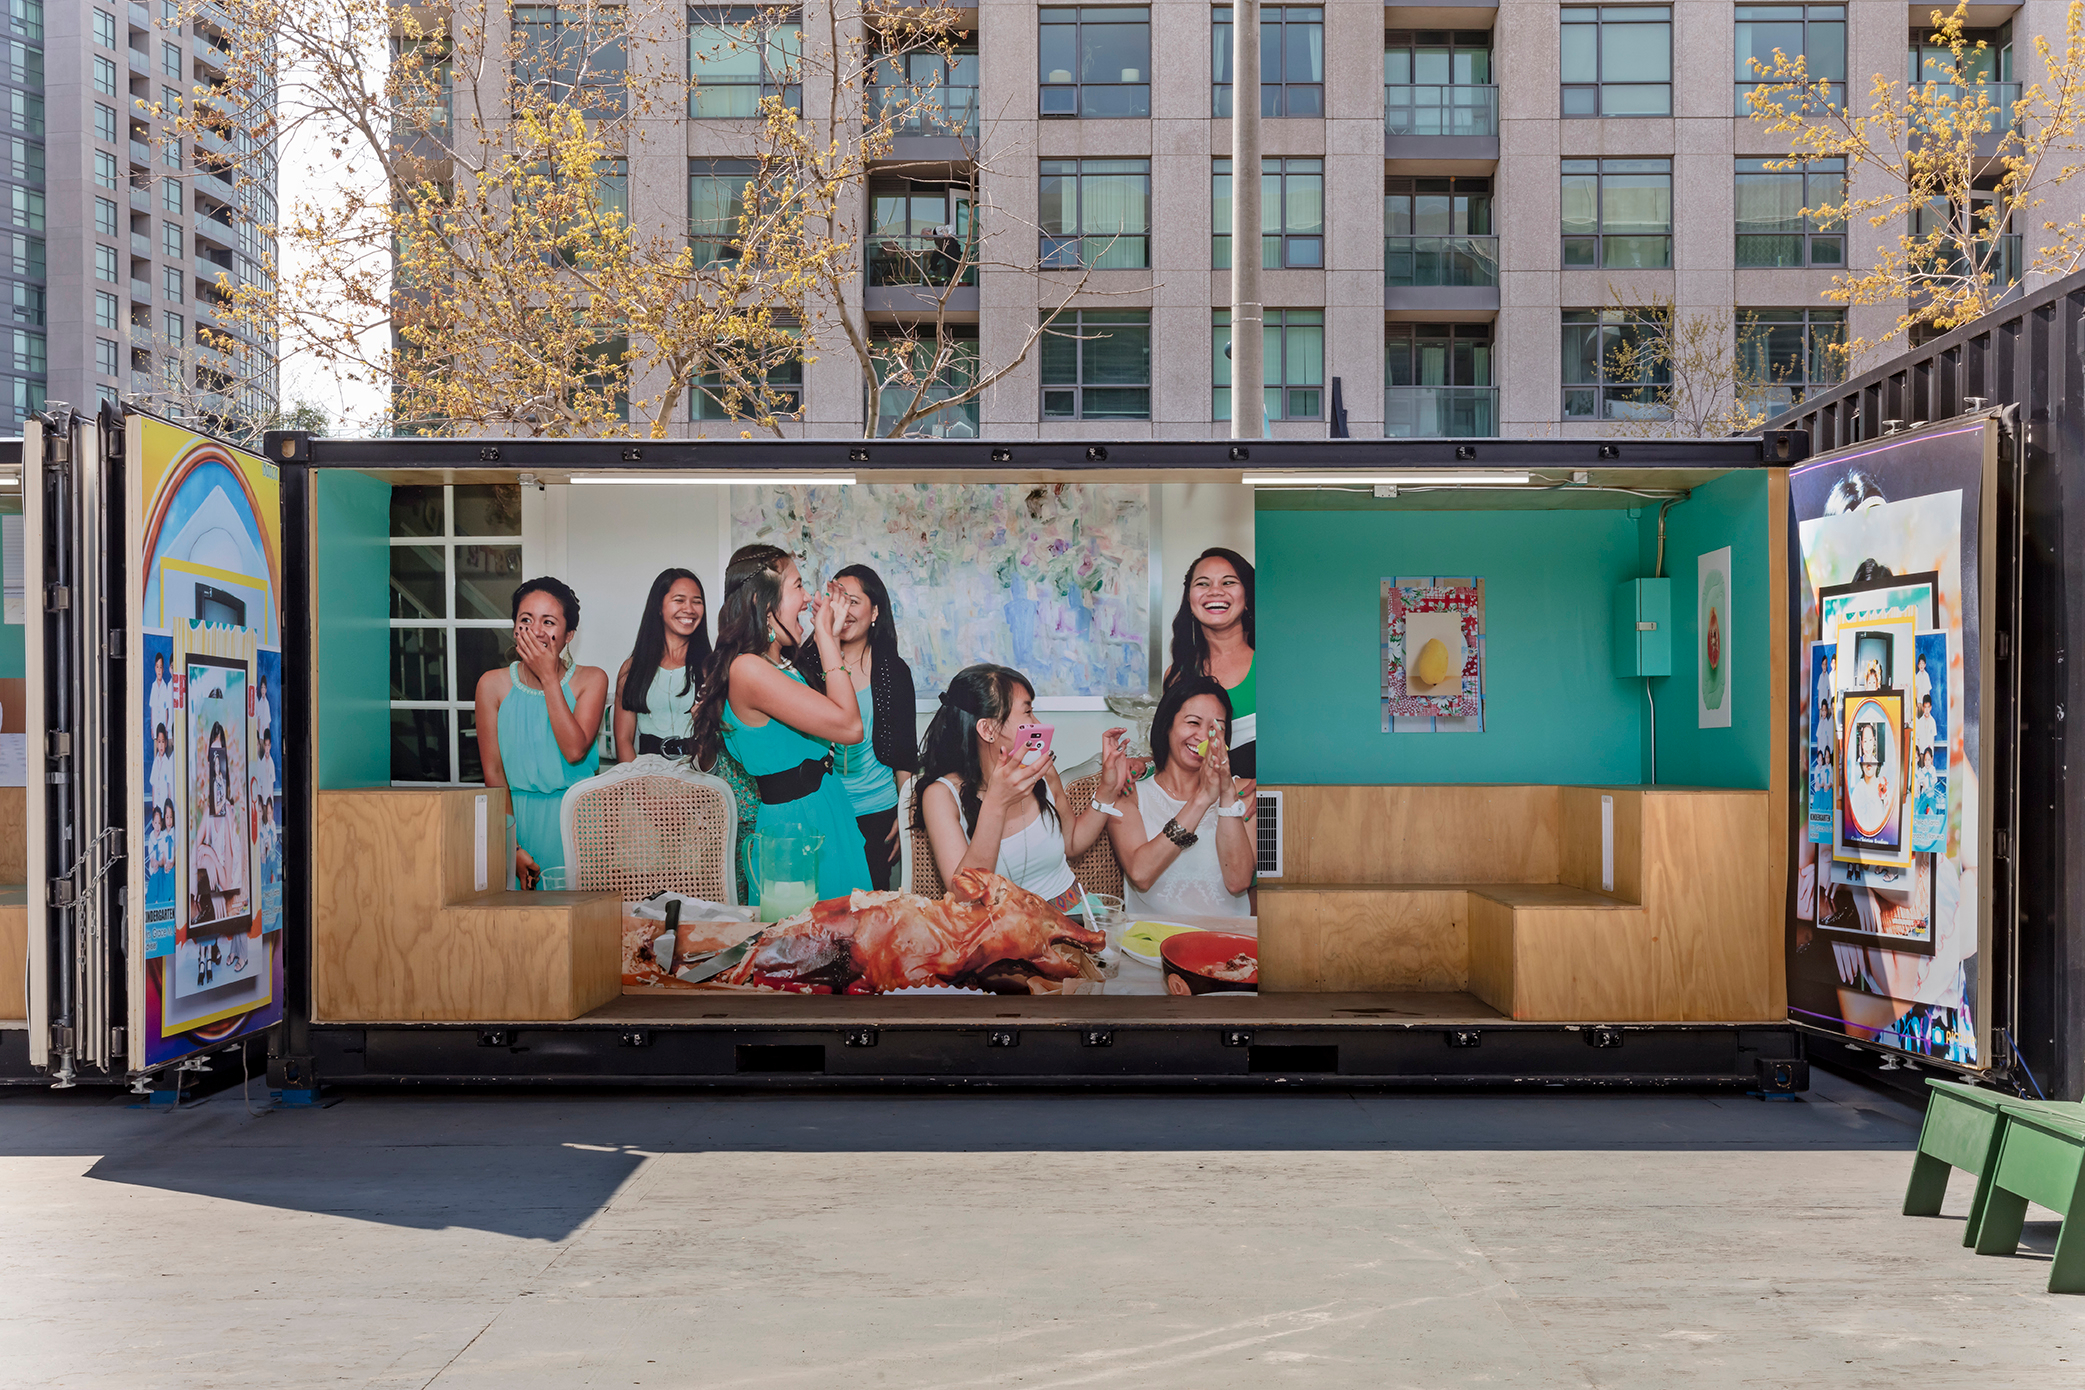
1182 838
1232 811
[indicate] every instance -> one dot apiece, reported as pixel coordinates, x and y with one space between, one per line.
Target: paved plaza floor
1064 1239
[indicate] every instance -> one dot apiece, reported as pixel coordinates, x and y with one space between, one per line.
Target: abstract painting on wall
1432 640
1051 579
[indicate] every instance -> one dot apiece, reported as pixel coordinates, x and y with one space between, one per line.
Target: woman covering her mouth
1213 637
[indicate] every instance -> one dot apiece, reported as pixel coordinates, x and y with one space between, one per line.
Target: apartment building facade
120 229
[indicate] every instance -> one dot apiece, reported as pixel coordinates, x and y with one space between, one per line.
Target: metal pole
1247 370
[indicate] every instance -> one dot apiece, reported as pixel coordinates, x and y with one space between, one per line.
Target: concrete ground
972 1241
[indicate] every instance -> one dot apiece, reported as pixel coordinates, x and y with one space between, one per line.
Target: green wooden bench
1964 1128
2041 1159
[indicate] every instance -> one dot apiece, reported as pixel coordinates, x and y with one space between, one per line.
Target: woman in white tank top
1183 840
984 809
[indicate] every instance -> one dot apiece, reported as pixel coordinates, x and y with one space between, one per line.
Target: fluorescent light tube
1384 479
718 479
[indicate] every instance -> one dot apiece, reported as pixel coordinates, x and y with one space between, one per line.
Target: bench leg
2005 1215
1928 1187
2067 1270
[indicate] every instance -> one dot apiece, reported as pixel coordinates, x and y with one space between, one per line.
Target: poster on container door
206 848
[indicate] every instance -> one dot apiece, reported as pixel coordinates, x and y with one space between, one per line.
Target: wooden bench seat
400 932
1499 891
14 951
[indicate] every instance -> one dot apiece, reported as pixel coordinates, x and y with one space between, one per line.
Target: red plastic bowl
1190 953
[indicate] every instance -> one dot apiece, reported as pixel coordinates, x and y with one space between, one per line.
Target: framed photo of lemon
1433 653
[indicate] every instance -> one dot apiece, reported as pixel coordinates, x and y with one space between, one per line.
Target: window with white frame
457 555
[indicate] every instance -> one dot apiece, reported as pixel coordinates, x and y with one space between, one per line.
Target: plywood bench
1503 891
401 931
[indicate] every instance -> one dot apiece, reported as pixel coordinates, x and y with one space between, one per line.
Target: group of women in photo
806 708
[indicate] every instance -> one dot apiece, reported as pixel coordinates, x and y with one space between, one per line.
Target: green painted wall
1731 511
12 658
351 579
1554 711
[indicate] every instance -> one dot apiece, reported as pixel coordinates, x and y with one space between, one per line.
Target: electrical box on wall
1643 628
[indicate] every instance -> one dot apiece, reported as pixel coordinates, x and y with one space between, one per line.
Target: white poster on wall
1712 688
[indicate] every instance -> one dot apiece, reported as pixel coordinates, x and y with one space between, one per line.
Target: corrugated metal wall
2029 353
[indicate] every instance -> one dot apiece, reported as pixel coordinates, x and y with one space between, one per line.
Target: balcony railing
1417 261
1440 412
919 260
958 421
1960 96
1441 110
2006 263
939 110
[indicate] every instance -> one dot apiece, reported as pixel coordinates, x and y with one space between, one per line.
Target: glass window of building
25 254
1784 216
1784 354
1437 381
739 54
29 353
1096 365
723 394
1988 56
25 207
930 92
456 557
1292 61
1617 60
927 376
106 356
105 123
174 327
30 304
1814 33
176 284
170 195
564 54
1095 60
107 310
24 158
1096 213
716 203
170 60
105 28
1292 364
1617 213
105 76
1612 368
104 169
1292 214
104 217
171 241
105 264
920 233
1439 82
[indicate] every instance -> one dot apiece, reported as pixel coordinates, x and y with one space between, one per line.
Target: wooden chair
1964 1128
647 826
1096 869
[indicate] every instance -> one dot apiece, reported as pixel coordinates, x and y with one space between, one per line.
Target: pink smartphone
1033 741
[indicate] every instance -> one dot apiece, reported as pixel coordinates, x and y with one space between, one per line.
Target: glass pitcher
785 872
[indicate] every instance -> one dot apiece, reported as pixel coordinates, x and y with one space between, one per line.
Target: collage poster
206 849
1887 911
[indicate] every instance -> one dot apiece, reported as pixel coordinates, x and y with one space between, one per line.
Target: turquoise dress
775 747
537 773
871 787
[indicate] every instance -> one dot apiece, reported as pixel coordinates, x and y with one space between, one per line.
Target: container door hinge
2005 645
57 743
116 1040
56 598
62 892
2002 845
61 1037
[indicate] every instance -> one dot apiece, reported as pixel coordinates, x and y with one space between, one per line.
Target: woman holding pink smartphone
992 794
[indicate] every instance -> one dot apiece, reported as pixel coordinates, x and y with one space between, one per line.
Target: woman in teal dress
537 720
756 706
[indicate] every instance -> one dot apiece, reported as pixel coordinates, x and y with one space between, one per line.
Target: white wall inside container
609 542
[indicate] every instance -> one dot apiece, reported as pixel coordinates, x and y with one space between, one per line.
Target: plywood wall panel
14 835
14 953
1419 834
1706 888
1363 939
1578 824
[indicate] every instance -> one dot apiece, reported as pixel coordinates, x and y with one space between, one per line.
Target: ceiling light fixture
1410 479
718 479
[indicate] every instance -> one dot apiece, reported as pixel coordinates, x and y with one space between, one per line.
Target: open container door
202 712
73 540
1902 581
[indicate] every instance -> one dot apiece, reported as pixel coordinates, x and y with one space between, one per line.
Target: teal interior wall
351 583
1554 710
1730 511
12 635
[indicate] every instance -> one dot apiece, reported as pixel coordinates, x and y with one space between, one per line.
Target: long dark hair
883 633
752 589
1190 654
974 693
650 648
1177 694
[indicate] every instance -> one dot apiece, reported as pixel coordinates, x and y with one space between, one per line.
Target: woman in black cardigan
876 769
